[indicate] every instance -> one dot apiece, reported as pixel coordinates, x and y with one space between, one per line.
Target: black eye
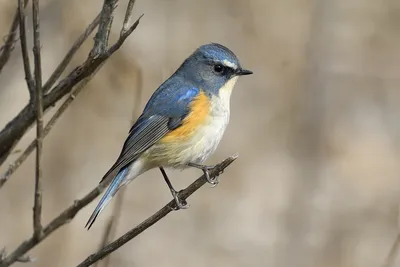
219 68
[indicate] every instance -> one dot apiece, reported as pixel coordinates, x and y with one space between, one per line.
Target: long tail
109 194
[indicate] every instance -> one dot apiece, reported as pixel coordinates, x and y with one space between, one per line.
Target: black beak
241 72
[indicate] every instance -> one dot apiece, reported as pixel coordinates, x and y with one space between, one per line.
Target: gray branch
183 194
37 207
101 38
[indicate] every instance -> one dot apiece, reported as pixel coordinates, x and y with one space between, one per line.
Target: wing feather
164 112
145 133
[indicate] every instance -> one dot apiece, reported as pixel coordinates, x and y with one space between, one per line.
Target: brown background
317 128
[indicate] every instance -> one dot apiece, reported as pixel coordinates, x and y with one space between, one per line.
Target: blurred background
317 127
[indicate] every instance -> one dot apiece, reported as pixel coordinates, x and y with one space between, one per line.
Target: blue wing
164 112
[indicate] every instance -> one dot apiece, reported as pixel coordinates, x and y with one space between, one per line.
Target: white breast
206 140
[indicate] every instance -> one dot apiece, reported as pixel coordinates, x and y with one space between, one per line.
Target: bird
182 123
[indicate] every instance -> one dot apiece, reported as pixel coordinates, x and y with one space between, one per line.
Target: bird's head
213 68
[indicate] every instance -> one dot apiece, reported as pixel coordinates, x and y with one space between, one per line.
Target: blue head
212 67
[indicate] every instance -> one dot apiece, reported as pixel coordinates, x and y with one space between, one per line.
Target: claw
206 170
212 181
180 203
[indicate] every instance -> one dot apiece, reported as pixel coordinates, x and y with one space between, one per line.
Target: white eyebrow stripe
229 64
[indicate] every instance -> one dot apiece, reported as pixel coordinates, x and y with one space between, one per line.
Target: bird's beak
241 72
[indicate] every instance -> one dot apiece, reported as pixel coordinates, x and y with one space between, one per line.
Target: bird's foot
180 203
212 181
206 170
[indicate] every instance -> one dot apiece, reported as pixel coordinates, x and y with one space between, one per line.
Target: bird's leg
206 170
180 204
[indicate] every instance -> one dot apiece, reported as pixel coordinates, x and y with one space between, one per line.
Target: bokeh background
317 128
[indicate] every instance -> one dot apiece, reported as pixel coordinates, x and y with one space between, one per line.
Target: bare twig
183 194
101 38
37 208
16 128
67 59
24 258
124 35
24 49
67 215
128 16
8 46
15 165
86 69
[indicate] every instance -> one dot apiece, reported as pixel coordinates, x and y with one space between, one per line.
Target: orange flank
199 110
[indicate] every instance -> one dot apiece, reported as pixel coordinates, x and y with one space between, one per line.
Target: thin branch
24 258
68 57
101 38
183 194
24 48
67 215
85 69
37 208
8 47
15 165
128 17
16 128
124 35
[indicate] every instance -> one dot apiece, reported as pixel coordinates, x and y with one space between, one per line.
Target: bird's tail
111 191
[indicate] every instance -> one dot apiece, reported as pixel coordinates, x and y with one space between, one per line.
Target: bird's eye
219 68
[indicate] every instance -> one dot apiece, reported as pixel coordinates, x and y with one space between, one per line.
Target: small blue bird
182 123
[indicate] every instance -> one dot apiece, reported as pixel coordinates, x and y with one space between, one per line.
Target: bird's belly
205 141
196 149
